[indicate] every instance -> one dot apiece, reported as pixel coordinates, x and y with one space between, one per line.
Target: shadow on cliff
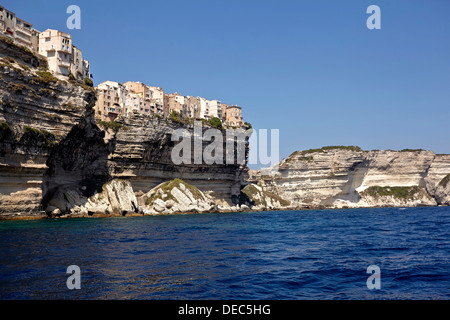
77 166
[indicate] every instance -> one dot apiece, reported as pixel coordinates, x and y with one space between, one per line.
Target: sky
310 68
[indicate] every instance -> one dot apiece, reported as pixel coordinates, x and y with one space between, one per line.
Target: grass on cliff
444 182
324 149
5 131
114 126
45 77
32 137
397 192
167 187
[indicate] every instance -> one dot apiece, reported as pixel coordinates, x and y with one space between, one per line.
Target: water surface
320 254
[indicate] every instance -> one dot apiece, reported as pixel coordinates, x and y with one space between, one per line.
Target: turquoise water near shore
317 254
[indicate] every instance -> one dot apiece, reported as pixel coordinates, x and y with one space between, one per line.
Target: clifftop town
122 100
114 99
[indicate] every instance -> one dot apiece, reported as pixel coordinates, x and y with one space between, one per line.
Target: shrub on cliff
323 149
45 77
35 137
445 181
174 116
5 132
396 192
115 126
88 82
215 123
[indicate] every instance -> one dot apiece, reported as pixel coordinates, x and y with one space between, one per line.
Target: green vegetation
168 186
323 149
5 131
88 82
47 92
18 88
411 150
45 77
71 77
248 125
397 192
252 192
33 137
215 123
115 126
445 181
11 43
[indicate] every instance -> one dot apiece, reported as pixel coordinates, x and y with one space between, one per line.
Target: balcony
23 38
23 30
63 63
65 49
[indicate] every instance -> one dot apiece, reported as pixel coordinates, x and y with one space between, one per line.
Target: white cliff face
117 198
338 177
176 196
261 199
442 193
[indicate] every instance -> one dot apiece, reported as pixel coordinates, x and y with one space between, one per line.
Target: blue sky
309 68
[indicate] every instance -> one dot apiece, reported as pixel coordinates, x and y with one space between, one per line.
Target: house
111 101
233 116
19 30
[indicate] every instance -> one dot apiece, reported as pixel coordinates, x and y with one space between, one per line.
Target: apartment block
233 116
174 103
215 109
111 98
204 108
62 56
19 30
116 99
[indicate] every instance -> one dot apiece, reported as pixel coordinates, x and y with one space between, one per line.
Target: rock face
117 198
37 111
142 155
339 177
55 158
442 191
176 196
258 198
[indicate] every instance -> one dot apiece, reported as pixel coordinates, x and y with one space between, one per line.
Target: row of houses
122 99
114 99
63 57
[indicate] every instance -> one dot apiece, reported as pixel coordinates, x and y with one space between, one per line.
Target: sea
347 254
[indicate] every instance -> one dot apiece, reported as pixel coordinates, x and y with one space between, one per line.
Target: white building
215 109
63 58
204 108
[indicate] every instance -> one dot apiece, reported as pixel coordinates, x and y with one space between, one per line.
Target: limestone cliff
55 159
37 111
350 177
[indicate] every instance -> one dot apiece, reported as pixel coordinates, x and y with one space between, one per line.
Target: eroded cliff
55 159
351 177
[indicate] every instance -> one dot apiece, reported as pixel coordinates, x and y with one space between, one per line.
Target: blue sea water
321 254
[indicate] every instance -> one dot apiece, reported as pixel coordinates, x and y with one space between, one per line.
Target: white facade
204 108
63 58
215 109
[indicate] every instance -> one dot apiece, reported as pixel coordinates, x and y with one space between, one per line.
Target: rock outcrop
350 177
117 198
257 197
442 191
176 196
